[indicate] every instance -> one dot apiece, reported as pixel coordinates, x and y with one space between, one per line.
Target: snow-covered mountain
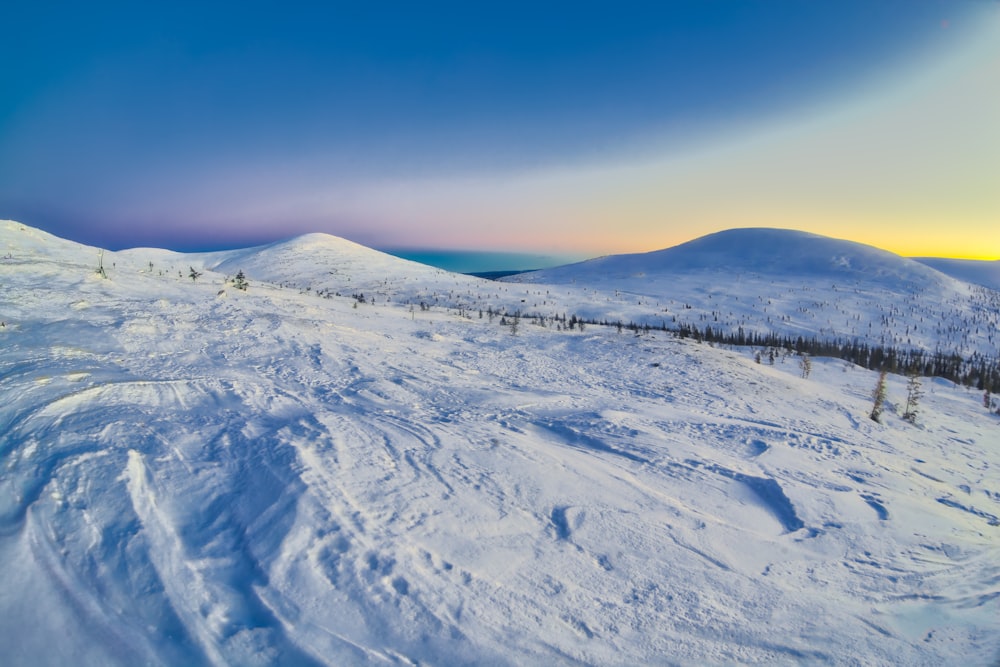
759 251
194 474
327 263
322 264
977 272
791 283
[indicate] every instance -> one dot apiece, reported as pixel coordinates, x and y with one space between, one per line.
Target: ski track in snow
276 477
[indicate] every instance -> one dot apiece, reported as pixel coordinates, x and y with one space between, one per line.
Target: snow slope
791 283
977 272
198 475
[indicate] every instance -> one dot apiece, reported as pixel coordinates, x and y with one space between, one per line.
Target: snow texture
198 475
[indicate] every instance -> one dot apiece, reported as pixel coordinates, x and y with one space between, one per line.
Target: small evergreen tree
913 394
878 397
100 265
194 275
240 281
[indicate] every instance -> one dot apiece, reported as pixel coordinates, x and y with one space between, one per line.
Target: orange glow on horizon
599 243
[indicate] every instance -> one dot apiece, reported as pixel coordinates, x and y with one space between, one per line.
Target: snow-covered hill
791 283
762 251
326 263
194 474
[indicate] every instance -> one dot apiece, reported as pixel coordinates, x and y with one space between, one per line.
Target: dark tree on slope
100 265
878 397
977 371
913 394
194 275
240 281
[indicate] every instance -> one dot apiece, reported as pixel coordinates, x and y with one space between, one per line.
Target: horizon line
541 252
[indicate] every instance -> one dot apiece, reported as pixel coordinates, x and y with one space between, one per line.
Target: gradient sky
592 127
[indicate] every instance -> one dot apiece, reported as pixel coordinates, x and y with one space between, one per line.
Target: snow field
273 477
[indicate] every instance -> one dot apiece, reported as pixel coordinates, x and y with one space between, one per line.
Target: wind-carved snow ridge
296 475
575 438
769 492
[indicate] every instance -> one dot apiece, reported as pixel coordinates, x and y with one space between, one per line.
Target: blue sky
549 127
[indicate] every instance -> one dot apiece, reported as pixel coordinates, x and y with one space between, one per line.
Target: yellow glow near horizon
909 163
914 170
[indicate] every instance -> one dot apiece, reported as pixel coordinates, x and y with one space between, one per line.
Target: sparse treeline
977 371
